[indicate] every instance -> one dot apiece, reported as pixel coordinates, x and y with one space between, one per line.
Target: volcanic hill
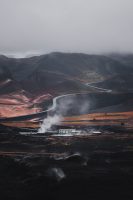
31 83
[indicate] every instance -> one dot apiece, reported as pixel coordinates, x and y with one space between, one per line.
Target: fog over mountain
43 26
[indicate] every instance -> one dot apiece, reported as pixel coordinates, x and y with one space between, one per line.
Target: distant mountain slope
123 83
64 71
126 59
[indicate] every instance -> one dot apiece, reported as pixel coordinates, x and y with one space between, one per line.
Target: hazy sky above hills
41 26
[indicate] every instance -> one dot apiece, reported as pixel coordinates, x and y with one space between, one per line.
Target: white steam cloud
67 105
49 122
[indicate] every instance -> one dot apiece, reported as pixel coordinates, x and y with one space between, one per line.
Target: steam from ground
66 106
48 123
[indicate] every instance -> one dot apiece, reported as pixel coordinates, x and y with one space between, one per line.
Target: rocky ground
98 166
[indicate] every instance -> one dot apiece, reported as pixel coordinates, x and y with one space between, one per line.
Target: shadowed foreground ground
85 167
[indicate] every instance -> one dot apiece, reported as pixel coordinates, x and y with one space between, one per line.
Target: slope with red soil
21 103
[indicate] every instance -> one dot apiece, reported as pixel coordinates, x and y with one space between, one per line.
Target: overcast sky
42 26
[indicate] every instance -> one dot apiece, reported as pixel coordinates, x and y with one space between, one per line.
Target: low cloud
42 26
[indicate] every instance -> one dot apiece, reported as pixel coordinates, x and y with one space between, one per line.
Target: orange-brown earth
95 119
102 119
21 103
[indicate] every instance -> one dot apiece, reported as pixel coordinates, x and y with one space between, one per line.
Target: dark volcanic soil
84 167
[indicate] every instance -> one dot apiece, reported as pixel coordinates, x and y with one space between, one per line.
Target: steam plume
48 123
63 106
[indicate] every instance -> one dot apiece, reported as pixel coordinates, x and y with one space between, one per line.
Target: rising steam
65 105
48 123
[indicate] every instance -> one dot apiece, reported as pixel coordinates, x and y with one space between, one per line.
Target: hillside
59 73
62 70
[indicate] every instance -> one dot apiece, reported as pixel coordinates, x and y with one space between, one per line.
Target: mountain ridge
63 67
